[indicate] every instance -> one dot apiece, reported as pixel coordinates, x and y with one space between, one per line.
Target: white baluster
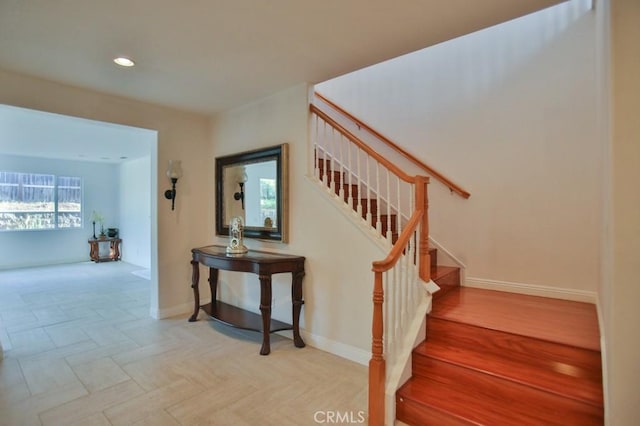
399 209
389 235
324 155
379 200
341 161
350 168
359 201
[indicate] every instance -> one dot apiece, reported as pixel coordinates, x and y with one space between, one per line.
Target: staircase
495 358
489 358
336 180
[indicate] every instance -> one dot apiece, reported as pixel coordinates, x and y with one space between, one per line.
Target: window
268 201
31 201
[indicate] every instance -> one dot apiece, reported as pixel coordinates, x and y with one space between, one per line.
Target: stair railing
430 171
354 172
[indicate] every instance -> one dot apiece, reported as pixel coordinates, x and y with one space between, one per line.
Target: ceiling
210 55
32 133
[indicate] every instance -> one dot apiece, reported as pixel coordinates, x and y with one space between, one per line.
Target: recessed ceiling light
124 62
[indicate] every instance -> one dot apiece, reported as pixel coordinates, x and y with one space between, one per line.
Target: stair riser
414 413
585 363
433 254
544 378
503 402
446 282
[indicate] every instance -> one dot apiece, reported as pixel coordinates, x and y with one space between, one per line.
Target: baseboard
457 262
174 311
340 349
533 290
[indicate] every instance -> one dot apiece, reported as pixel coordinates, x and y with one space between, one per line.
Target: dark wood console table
114 249
263 264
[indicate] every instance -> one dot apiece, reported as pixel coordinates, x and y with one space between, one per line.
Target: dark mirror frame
281 154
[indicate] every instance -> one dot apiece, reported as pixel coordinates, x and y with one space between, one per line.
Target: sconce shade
174 172
175 169
240 175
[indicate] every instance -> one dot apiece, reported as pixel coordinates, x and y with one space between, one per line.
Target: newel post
377 363
422 201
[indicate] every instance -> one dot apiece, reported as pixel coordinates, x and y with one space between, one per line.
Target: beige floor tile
159 418
100 374
97 419
13 386
31 341
100 352
63 335
105 334
203 406
147 404
26 412
226 417
43 374
153 372
50 314
182 373
91 404
61 352
145 352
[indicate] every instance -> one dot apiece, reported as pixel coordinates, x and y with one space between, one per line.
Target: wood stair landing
495 358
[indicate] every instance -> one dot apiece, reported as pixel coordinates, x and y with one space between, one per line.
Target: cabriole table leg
195 277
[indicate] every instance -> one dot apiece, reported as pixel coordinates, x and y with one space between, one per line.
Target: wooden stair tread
440 271
546 368
566 322
470 397
486 361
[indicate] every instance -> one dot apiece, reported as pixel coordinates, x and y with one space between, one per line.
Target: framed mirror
255 186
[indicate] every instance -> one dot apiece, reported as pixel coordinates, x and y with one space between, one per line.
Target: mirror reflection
254 192
253 185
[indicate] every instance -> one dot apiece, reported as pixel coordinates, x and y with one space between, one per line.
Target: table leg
265 309
213 286
116 250
94 251
195 277
296 298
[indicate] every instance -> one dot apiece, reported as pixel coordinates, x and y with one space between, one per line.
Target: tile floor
81 349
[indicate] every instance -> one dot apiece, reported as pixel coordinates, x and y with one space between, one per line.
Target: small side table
264 265
114 249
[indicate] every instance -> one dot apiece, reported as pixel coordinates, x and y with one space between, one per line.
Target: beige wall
622 286
337 288
510 114
338 282
181 136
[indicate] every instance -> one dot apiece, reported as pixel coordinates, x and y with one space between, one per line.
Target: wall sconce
241 178
174 172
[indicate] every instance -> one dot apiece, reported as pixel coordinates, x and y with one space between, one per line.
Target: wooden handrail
398 247
418 221
429 170
347 134
377 364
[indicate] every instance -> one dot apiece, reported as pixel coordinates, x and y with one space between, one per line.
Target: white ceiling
206 55
210 55
32 133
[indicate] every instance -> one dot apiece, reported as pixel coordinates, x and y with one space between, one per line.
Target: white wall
100 193
135 211
620 289
510 114
338 284
181 136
